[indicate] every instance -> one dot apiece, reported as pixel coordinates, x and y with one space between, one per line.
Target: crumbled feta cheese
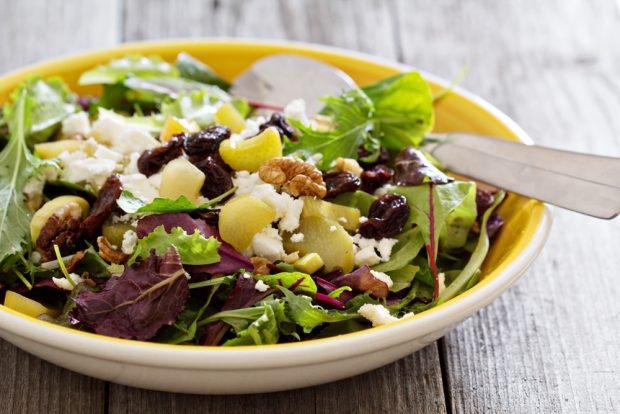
33 189
383 277
268 243
77 167
297 237
370 251
252 128
296 109
246 275
104 153
64 283
110 129
288 209
76 124
132 163
377 314
261 286
343 220
442 281
140 186
130 239
363 219
333 228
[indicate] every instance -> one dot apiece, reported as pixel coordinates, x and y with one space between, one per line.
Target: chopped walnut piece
296 177
261 265
109 253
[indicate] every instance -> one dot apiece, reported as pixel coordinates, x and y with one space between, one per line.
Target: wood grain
549 344
33 30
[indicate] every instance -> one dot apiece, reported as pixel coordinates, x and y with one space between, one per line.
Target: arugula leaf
403 109
300 309
297 281
191 68
133 65
16 166
396 112
194 249
133 205
352 113
402 277
49 102
477 257
264 330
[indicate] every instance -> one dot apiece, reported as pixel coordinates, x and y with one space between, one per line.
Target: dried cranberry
152 160
386 218
205 142
494 223
376 177
484 200
338 182
383 158
411 167
279 122
103 207
217 177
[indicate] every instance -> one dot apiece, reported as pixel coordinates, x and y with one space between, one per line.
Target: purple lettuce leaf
329 287
243 295
362 280
147 296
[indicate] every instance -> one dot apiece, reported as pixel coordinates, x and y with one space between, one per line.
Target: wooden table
552 342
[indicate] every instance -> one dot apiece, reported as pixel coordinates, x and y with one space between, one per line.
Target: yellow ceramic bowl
194 369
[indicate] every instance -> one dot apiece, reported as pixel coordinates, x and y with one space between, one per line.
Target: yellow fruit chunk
309 264
253 152
53 149
48 209
26 305
174 126
241 218
181 178
114 232
326 238
348 217
228 115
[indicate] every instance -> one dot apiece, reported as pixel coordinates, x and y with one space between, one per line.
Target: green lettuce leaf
409 244
194 249
402 277
264 330
49 102
459 222
133 205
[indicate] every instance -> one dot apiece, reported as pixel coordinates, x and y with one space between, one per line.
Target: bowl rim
194 357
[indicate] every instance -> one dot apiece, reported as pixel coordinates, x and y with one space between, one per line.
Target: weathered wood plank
549 344
412 384
32 30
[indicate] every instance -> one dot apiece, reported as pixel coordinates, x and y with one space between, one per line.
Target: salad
166 210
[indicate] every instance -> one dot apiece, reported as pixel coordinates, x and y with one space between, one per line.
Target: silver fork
588 184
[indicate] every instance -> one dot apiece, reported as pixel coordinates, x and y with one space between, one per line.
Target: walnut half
62 228
296 177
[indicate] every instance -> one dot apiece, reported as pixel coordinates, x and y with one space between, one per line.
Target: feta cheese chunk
383 277
370 251
261 286
130 239
297 237
377 314
77 167
65 284
140 186
268 244
76 124
296 109
110 129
